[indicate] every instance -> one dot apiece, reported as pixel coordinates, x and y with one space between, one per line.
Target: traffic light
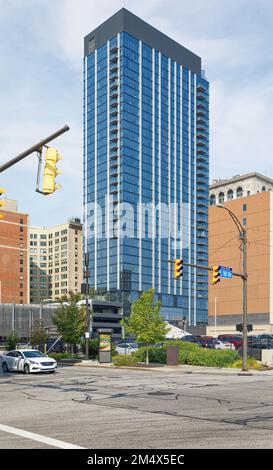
50 171
2 203
215 274
178 268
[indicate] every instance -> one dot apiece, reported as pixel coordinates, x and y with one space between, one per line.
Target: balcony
201 112
114 94
202 105
113 120
113 49
113 84
113 67
201 95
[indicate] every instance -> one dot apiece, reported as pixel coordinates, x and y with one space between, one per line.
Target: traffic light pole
35 148
243 236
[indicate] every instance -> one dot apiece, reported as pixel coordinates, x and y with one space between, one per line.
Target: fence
21 318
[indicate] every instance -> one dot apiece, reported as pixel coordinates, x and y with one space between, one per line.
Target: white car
126 348
223 344
27 360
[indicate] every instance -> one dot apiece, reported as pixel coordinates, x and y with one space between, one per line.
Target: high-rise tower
146 163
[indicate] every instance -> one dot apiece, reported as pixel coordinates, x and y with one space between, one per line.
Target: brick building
14 262
250 198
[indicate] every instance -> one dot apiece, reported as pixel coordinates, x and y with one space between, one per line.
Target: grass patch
58 356
125 360
251 364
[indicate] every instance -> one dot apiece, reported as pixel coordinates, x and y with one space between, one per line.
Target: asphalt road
118 408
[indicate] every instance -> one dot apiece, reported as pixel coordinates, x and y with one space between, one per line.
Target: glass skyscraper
146 166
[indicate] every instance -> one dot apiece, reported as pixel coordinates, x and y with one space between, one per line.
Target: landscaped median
189 353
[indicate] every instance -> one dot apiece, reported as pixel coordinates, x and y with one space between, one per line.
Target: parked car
190 338
217 344
126 348
27 360
237 340
203 342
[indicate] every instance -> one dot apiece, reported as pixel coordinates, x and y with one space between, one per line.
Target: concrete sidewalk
184 369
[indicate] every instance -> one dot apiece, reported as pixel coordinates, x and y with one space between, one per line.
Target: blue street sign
225 272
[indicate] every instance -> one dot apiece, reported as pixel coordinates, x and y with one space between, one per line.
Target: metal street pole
244 241
243 237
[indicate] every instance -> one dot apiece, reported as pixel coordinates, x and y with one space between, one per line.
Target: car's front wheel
26 369
5 367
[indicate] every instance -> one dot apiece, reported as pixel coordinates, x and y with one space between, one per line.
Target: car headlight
33 362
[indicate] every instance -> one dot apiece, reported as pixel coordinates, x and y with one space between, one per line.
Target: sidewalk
184 369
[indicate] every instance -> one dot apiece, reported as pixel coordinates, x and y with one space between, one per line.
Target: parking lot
121 408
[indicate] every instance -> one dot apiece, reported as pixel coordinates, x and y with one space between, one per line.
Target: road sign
225 272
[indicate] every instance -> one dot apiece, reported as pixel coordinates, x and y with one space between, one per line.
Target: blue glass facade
146 141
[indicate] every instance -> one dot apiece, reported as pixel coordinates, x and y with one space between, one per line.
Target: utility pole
243 237
244 276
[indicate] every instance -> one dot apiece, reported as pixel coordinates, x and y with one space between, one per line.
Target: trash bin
173 355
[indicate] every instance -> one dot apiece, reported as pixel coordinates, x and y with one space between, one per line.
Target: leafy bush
209 357
12 341
125 360
189 353
58 356
157 355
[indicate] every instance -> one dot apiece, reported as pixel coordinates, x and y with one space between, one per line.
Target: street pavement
111 408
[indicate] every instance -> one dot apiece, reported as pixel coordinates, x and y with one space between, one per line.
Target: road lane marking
38 437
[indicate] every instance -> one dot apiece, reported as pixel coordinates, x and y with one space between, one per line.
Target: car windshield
29 354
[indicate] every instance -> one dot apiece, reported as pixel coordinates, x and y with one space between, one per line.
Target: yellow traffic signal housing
2 203
215 274
50 171
178 268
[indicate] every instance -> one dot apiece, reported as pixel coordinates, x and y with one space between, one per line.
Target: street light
243 237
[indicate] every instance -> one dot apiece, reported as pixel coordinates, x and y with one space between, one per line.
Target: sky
41 62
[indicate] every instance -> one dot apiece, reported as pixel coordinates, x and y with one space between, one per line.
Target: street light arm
234 218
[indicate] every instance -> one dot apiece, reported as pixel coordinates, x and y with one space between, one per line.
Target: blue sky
41 50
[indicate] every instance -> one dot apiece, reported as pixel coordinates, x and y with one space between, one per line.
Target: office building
146 127
250 198
56 261
14 272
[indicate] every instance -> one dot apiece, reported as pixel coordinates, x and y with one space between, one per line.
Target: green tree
146 322
38 335
70 319
12 341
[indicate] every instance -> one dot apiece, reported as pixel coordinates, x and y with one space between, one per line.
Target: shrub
157 355
209 357
58 356
12 341
125 360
